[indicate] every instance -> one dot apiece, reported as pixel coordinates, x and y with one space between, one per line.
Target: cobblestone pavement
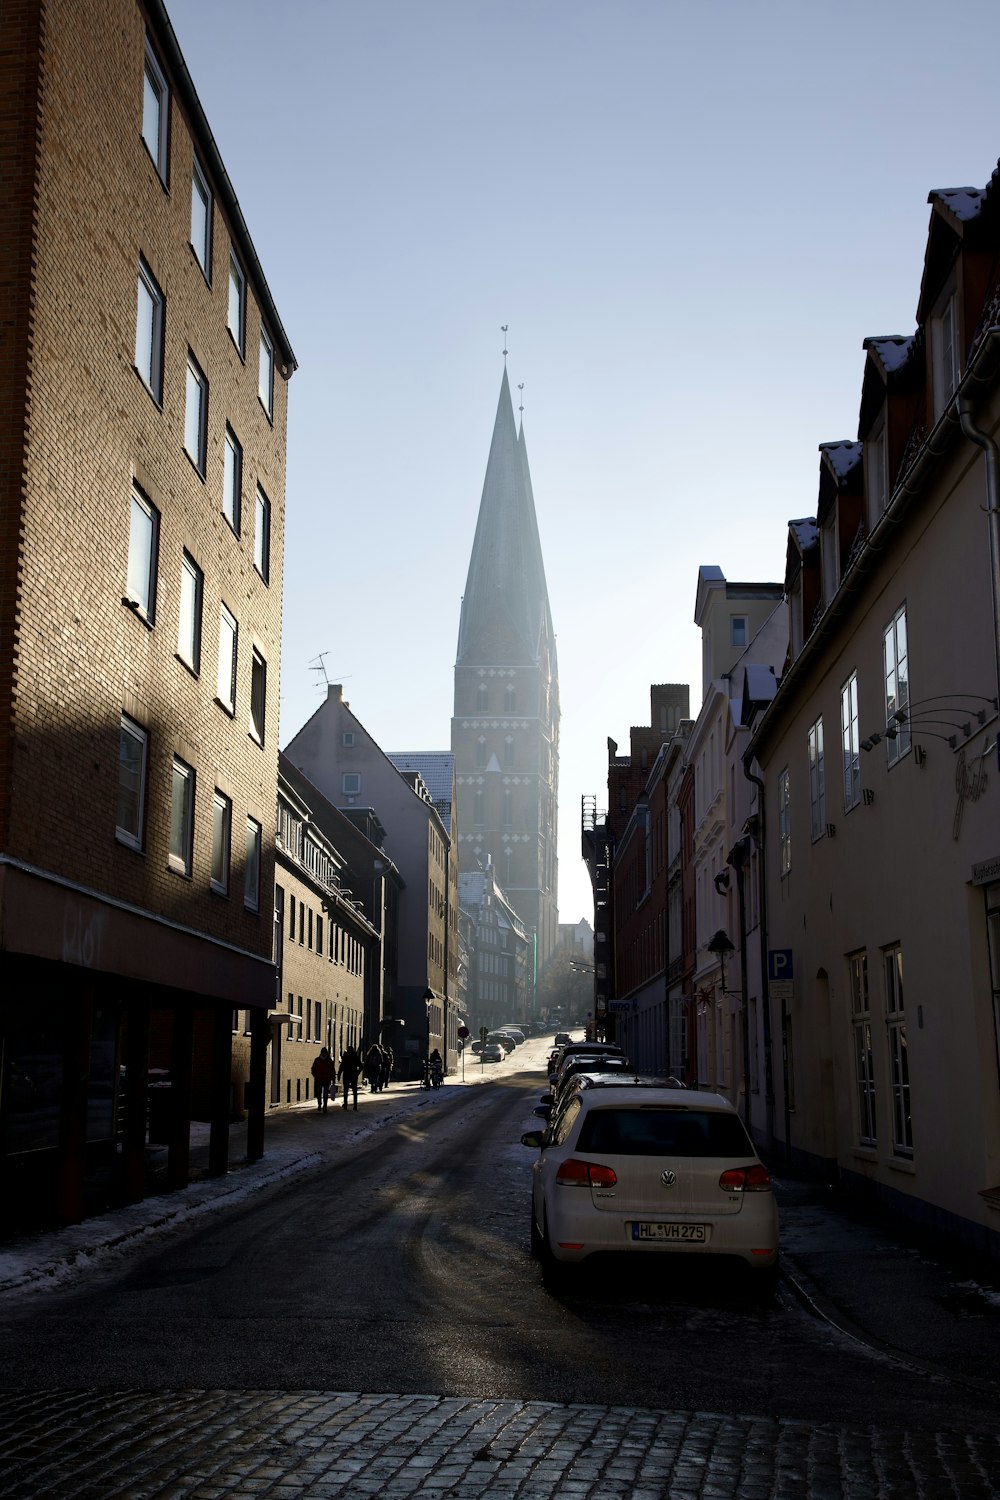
211 1445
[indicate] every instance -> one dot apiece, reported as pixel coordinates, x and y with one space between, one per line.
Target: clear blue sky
689 215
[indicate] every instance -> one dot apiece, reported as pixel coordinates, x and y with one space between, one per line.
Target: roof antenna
521 389
503 330
318 664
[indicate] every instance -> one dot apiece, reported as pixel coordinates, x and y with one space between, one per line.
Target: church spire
505 609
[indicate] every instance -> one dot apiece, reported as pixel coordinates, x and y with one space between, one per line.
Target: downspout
446 1028
765 986
989 447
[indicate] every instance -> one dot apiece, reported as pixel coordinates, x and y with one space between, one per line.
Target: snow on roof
963 203
891 350
435 769
842 457
806 532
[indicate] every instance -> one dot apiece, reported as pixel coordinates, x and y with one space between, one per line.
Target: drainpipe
989 447
765 987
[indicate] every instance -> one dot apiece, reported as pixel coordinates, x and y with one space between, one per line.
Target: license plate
692 1233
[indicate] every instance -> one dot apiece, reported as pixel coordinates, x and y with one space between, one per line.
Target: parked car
515 1032
492 1052
506 1042
578 1050
644 1170
563 1039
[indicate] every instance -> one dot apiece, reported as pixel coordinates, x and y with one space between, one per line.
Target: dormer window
945 355
830 557
876 473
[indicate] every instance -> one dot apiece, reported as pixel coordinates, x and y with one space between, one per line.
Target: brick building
143 371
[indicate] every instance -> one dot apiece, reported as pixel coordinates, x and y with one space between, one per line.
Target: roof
436 769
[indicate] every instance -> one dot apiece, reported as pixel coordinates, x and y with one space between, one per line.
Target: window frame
896 684
258 695
850 742
876 466
202 252
785 821
144 601
191 570
265 390
353 790
739 625
237 278
150 371
227 618
232 468
946 353
817 780
180 853
222 843
896 1040
252 865
124 835
262 535
866 1097
159 151
196 378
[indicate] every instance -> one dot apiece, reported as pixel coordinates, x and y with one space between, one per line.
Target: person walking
387 1062
325 1075
350 1071
373 1067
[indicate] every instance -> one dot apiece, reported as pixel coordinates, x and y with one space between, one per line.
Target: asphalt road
406 1268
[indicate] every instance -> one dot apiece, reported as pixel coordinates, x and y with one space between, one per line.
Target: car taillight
746 1180
574 1173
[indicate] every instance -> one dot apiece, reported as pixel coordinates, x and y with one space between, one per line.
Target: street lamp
720 944
428 1000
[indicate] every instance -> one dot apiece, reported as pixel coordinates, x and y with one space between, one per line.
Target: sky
689 216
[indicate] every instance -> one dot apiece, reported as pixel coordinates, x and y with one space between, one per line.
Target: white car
646 1170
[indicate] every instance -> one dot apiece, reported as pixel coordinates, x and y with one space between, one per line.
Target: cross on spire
521 389
503 330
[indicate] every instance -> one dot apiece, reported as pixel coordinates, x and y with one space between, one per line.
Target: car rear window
650 1131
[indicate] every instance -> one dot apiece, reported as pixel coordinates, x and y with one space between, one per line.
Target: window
258 694
347 738
350 783
251 872
508 807
143 544
482 698
899 1063
132 747
479 813
319 934
196 414
817 789
784 822
262 536
155 112
737 630
181 817
222 833
149 332
509 699
236 315
851 743
876 473
232 479
945 363
897 688
864 1067
189 624
992 894
508 751
201 219
481 756
226 682
265 375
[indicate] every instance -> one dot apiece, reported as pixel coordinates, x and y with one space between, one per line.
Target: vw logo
668 1178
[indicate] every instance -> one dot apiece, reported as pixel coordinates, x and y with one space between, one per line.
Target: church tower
505 730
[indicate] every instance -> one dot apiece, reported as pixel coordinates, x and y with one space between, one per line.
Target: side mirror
545 1099
543 1111
532 1138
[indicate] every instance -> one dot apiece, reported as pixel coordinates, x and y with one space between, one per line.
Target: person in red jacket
325 1074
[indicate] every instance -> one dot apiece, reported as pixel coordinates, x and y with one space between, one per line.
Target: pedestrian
349 1071
373 1067
325 1076
387 1062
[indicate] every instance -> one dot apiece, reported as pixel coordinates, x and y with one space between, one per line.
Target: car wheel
555 1273
765 1283
536 1236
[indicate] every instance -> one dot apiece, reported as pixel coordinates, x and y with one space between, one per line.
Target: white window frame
201 219
864 1056
150 313
895 656
739 631
133 735
232 480
784 821
222 840
899 1063
143 551
817 781
350 783
225 682
181 816
189 613
850 743
262 535
265 373
251 868
236 316
258 695
156 112
196 414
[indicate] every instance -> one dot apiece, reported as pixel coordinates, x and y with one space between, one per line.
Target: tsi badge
668 1178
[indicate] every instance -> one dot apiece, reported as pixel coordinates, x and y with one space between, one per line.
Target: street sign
484 1032
463 1032
619 1005
779 965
